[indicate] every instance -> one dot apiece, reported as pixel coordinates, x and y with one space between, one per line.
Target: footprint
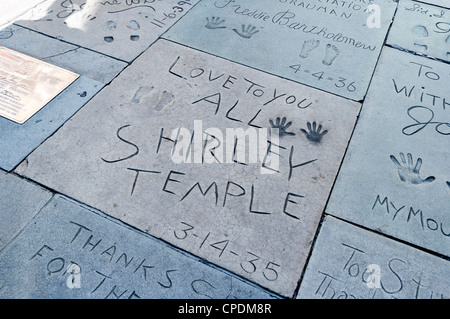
165 99
331 53
6 34
420 31
109 39
134 37
141 92
421 47
308 46
133 25
110 25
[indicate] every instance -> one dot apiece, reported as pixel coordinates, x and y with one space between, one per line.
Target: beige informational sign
28 84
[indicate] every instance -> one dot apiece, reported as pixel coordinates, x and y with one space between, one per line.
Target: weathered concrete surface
230 207
352 263
121 29
395 176
16 140
421 28
70 252
19 202
317 43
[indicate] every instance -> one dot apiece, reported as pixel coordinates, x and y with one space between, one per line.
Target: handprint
407 172
282 126
214 23
247 31
314 135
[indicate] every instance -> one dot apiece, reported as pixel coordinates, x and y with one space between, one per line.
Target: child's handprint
314 135
407 172
246 31
282 126
214 23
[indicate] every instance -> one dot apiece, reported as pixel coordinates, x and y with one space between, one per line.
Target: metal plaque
28 84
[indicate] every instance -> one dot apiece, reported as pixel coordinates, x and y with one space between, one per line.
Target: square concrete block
119 28
182 144
352 263
71 252
19 202
421 28
318 44
395 177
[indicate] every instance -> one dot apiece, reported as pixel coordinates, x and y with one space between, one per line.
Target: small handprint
214 23
407 172
282 126
246 31
314 133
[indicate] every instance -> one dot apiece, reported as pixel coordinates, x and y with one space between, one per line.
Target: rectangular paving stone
254 214
71 252
421 28
352 263
19 140
395 177
317 43
119 28
19 202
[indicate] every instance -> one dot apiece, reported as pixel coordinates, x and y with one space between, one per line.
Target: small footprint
110 25
6 34
165 99
308 46
133 25
421 47
331 53
143 90
420 31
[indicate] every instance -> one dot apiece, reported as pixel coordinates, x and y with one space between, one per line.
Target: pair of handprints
246 31
314 133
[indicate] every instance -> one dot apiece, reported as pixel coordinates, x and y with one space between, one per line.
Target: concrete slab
70 252
421 28
252 208
351 263
317 44
121 29
19 202
395 177
74 58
